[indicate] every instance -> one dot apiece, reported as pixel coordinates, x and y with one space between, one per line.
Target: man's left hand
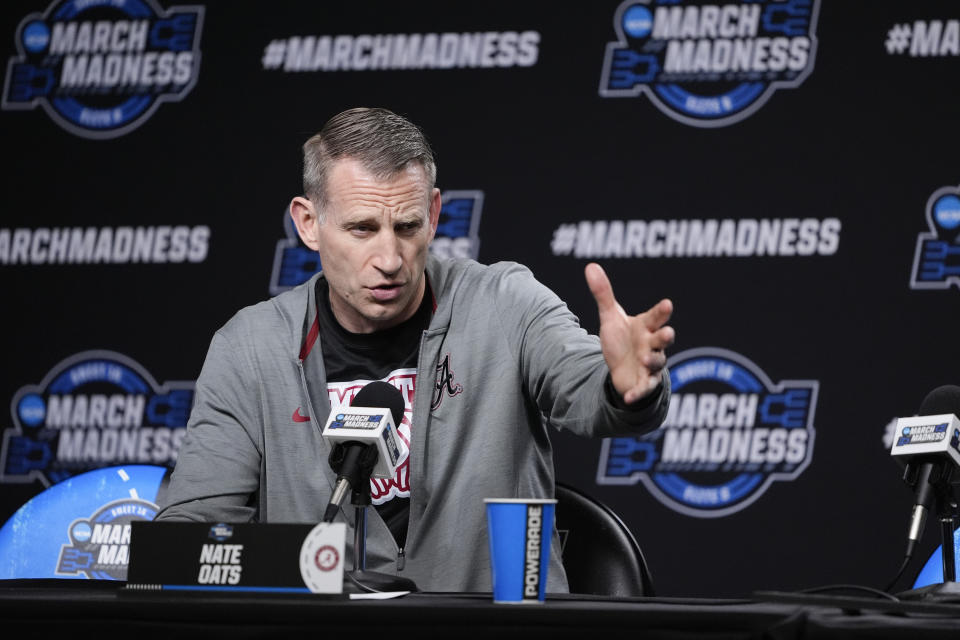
633 346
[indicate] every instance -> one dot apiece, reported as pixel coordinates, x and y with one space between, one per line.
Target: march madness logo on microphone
94 409
936 263
101 68
457 237
342 395
705 64
729 434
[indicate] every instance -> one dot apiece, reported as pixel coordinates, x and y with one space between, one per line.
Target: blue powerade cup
520 530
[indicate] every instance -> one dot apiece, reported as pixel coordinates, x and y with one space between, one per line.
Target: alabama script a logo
444 383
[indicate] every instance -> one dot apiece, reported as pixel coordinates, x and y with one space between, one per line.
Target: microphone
364 442
929 446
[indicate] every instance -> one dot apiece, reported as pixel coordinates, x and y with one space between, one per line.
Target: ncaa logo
457 237
705 64
936 263
729 434
94 409
101 68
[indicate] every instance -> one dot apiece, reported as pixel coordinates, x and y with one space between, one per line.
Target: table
44 608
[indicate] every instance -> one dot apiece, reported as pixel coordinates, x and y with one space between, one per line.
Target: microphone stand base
362 581
939 592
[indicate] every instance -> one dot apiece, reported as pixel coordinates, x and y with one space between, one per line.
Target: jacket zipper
401 559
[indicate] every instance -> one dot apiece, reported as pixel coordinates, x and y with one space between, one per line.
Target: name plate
246 557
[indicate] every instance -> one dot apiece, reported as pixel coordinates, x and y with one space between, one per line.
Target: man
485 356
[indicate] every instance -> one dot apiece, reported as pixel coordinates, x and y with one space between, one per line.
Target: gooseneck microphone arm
925 473
932 483
928 444
353 462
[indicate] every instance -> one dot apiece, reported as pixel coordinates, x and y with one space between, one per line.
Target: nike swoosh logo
299 418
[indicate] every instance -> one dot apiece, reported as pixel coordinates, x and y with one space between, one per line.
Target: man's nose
387 255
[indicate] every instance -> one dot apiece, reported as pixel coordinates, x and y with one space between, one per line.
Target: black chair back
600 554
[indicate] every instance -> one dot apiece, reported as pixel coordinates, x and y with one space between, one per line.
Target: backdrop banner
786 171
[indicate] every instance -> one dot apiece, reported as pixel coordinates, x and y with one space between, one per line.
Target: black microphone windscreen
381 394
943 399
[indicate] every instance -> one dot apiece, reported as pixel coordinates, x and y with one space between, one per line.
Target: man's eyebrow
360 218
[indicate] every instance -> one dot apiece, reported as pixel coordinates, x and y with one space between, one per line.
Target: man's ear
305 219
436 204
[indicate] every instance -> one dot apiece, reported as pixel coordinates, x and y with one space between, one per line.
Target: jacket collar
440 274
310 329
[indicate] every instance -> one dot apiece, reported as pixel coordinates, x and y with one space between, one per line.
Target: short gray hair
383 142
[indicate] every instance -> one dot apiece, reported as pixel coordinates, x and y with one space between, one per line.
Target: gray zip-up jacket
520 361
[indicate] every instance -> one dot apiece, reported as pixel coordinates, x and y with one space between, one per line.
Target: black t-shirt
373 356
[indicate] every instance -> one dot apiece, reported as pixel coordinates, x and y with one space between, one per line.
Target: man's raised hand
633 346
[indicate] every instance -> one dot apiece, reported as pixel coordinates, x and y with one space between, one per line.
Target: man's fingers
662 338
658 314
642 388
655 361
653 339
600 287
